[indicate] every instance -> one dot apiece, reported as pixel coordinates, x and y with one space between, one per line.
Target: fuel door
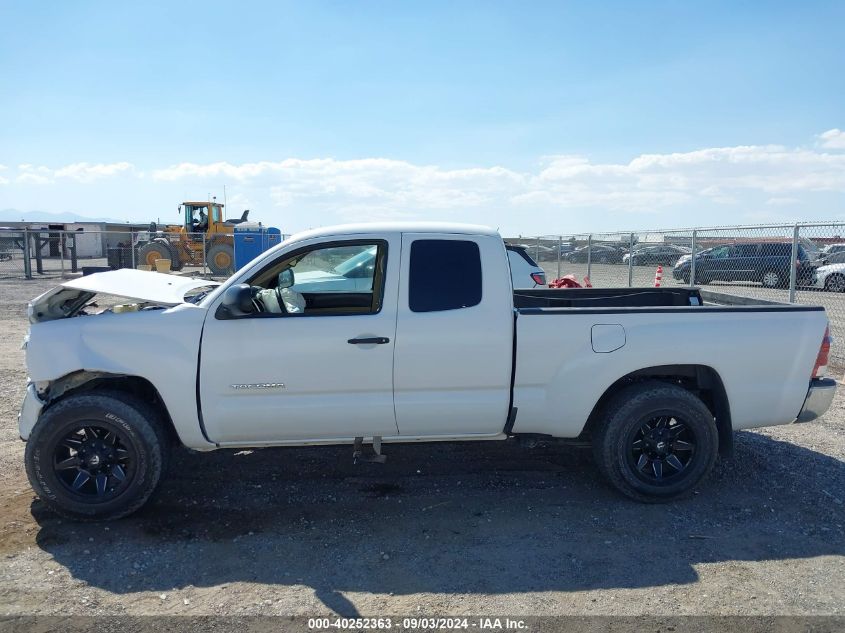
607 337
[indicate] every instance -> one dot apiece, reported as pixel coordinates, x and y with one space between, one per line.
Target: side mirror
286 279
237 301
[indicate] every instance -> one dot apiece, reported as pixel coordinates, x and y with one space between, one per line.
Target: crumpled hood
66 299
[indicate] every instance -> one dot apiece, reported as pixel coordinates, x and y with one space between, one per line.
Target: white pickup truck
432 344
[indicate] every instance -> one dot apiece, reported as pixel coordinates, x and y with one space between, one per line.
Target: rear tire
96 456
835 283
159 249
655 441
771 279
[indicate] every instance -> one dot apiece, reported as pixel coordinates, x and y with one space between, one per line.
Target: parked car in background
599 254
662 254
566 248
544 252
832 254
830 277
525 273
767 263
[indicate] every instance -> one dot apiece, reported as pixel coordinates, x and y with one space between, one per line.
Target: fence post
132 247
631 262
27 262
589 256
203 253
793 269
559 248
39 259
62 237
74 265
692 258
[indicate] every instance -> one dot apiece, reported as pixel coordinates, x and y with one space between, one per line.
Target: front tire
655 441
221 259
96 456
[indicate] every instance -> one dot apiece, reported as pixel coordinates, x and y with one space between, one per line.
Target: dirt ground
439 529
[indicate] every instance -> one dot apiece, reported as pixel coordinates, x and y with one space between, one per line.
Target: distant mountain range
13 215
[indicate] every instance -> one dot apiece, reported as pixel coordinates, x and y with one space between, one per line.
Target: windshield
364 258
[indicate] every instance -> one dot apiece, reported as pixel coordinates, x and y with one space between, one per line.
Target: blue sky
535 117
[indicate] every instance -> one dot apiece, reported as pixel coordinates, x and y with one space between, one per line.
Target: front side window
444 275
341 278
721 252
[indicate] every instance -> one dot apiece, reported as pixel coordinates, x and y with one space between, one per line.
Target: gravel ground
439 529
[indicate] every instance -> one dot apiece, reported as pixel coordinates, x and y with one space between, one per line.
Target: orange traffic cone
658 276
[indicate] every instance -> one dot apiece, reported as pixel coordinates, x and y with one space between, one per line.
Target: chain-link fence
795 263
44 253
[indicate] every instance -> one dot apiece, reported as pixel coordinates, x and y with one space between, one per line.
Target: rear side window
778 249
445 275
749 250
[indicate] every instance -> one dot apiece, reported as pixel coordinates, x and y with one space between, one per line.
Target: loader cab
200 215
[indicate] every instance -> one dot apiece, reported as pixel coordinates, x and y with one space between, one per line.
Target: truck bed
763 352
540 300
606 297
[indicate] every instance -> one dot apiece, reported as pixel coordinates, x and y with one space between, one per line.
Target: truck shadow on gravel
461 518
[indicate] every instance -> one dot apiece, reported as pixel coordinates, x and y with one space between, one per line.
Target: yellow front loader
204 233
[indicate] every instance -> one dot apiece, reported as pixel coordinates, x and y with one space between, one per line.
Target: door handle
375 340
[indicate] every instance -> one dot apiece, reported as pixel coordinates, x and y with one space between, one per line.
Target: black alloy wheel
661 449
94 463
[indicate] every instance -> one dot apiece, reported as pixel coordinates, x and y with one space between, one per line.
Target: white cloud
79 172
33 175
84 172
375 187
833 139
783 202
648 182
564 192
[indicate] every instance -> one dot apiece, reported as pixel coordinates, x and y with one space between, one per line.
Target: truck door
454 336
325 372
